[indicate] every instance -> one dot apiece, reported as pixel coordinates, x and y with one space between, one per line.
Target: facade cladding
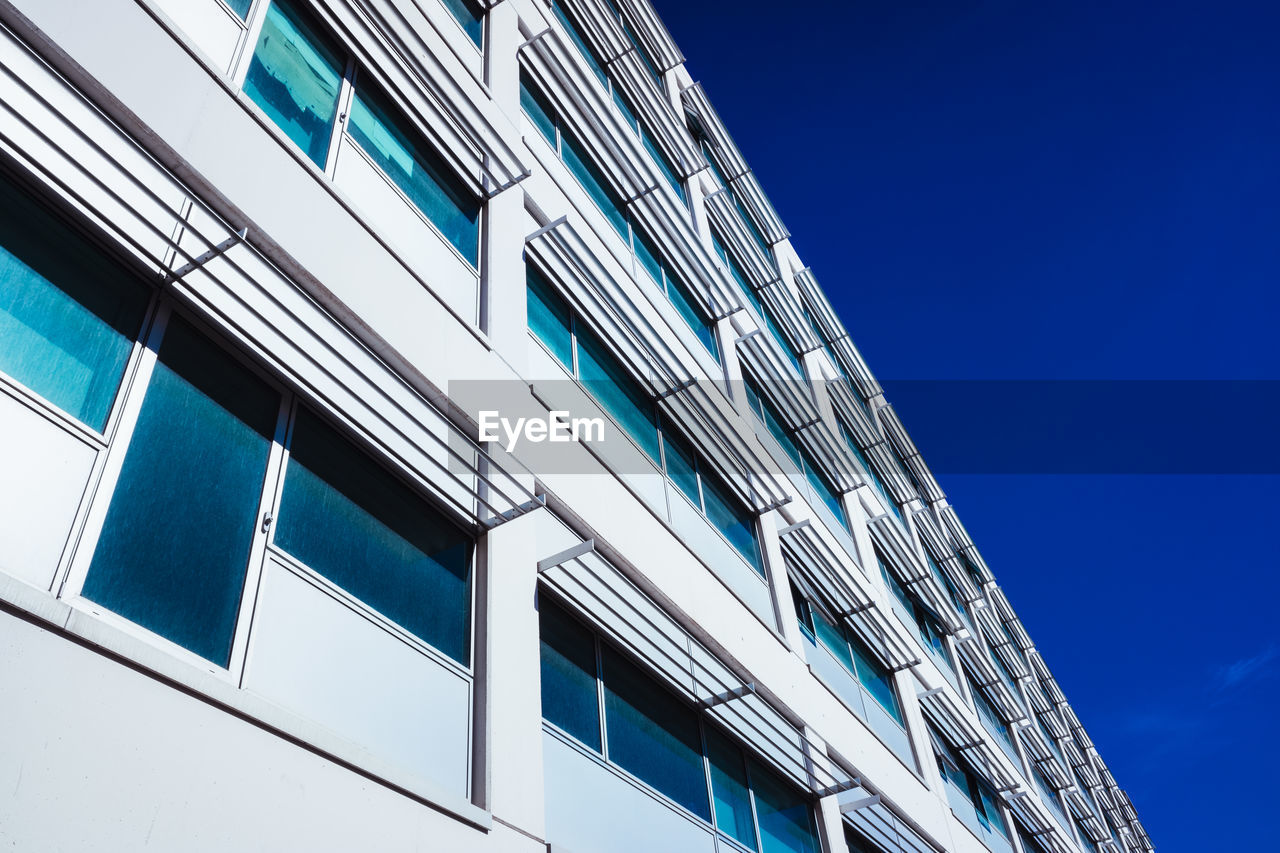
264 586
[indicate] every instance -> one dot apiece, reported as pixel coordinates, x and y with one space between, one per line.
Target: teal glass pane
68 315
876 678
536 108
783 341
549 318
627 114
773 423
833 640
648 258
652 734
405 158
737 274
240 7
727 514
175 544
587 53
348 519
681 464
824 490
295 76
569 695
664 164
891 581
991 808
729 792
470 16
643 54
786 819
619 394
594 183
680 296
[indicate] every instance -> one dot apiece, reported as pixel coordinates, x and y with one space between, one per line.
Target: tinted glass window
68 315
174 547
353 522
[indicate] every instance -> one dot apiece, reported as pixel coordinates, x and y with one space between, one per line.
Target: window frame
339 134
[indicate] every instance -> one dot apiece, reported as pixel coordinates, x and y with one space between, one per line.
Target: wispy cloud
1247 669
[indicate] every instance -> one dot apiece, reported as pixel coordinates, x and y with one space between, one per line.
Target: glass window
681 466
550 318
786 821
240 7
471 16
732 519
536 107
418 171
295 76
569 696
594 183
876 678
621 396
652 734
729 789
68 315
357 525
174 547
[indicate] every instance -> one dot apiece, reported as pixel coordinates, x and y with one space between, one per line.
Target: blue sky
1037 191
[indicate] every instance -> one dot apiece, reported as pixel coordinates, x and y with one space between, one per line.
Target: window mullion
604 733
345 94
263 531
249 39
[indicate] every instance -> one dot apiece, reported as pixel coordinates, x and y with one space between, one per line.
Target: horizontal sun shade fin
910 455
602 595
653 33
824 569
217 266
733 164
702 412
409 69
553 63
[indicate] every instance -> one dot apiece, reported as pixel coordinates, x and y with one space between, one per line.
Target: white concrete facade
332 724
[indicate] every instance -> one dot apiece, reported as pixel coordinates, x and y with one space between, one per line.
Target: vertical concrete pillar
509 722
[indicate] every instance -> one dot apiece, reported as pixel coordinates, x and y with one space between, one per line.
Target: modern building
265 584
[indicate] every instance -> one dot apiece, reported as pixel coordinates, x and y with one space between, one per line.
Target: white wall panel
319 658
210 26
43 472
404 229
591 809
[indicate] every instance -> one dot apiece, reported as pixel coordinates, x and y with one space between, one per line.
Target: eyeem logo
556 427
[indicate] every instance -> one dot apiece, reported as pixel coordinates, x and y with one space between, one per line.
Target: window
853 654
647 257
295 76
350 521
800 456
171 557
299 76
972 798
412 166
664 743
68 314
470 16
927 625
993 722
872 475
582 353
753 229
766 315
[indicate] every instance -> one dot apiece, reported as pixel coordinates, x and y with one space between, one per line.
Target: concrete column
779 579
502 309
509 701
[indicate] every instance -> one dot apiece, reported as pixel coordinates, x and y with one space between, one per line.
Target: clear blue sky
1059 190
